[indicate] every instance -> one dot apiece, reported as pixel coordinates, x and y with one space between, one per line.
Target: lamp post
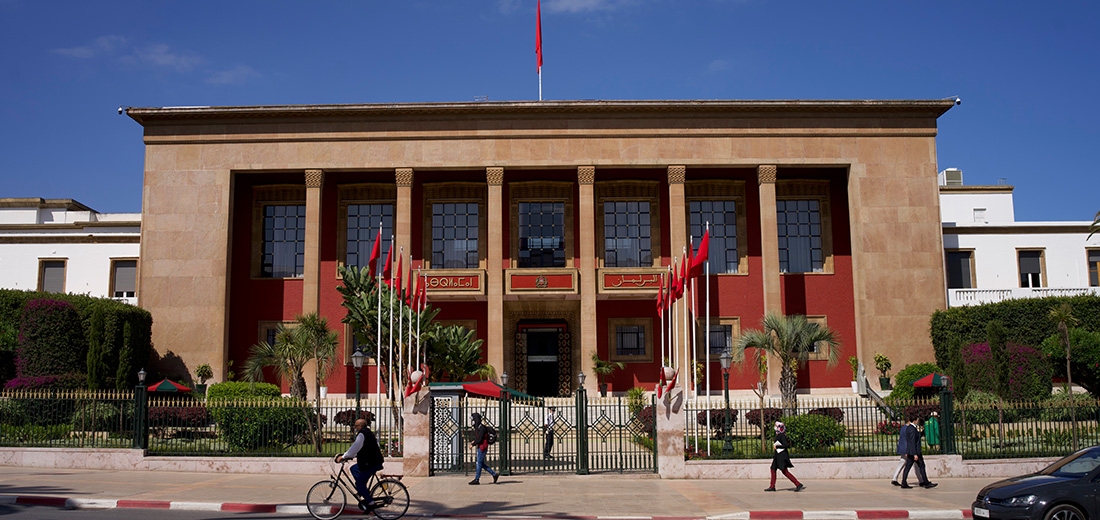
726 360
140 441
504 379
582 426
357 359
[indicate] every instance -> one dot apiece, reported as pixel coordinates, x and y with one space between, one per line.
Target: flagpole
661 315
389 383
378 330
687 340
694 351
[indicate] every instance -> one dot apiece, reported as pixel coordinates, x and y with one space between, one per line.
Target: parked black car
1066 490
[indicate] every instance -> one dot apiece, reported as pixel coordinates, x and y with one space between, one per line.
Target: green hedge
126 335
51 341
262 422
903 382
233 390
1027 321
811 432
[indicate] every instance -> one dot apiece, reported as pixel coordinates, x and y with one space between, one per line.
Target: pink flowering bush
1028 376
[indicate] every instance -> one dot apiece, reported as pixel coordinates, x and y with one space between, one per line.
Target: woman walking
781 459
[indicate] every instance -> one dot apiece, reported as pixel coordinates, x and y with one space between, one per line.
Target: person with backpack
481 442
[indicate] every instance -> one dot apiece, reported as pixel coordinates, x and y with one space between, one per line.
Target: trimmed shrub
903 382
1028 319
717 419
1057 408
770 416
61 382
347 417
835 414
264 422
51 339
242 390
811 432
1029 372
179 416
101 416
981 408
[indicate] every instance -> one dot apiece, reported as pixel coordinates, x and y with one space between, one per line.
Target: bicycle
328 498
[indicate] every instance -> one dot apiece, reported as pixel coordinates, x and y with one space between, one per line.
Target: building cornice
1000 188
832 108
73 225
40 203
1022 228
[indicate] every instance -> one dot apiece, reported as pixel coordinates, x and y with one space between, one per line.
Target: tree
604 368
315 335
792 339
1095 227
1062 315
456 353
285 357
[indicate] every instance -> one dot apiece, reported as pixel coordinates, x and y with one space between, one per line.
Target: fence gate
590 435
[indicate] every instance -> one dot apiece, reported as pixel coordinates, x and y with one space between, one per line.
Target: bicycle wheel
325 500
392 497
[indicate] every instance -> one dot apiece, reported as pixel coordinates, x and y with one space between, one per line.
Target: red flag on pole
538 33
701 256
681 279
412 286
661 297
375 252
400 270
387 268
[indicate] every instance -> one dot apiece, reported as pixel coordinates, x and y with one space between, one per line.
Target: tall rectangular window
959 275
799 223
124 278
721 339
362 228
722 216
51 278
1031 268
541 234
1094 267
627 234
454 235
284 241
630 340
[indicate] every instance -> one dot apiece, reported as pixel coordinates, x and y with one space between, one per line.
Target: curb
300 509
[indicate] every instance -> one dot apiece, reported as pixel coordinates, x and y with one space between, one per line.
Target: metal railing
66 419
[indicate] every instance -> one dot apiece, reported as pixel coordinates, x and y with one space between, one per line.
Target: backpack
490 435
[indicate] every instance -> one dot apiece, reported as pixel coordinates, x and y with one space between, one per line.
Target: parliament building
545 226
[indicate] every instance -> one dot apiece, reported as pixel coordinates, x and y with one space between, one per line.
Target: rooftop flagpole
538 42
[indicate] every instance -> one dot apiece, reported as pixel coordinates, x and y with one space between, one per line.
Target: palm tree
1095 227
792 339
458 354
284 356
314 334
604 368
1063 316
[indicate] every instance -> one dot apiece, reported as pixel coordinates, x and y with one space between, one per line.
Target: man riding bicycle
368 462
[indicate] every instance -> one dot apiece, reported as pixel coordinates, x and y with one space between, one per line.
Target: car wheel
1064 512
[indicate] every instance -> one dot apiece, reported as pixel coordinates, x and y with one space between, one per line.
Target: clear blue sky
1027 72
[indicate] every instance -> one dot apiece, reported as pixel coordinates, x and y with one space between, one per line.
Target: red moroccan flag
701 257
538 33
400 271
661 297
387 268
423 303
375 252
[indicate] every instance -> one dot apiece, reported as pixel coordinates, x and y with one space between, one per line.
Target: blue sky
1027 72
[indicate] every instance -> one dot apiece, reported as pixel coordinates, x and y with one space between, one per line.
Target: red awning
930 380
168 386
485 388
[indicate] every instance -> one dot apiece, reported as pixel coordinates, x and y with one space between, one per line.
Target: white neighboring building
61 245
990 257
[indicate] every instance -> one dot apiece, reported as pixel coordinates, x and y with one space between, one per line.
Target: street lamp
580 379
726 360
141 376
504 379
357 359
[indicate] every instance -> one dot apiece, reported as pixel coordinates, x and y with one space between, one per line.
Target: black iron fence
848 427
183 425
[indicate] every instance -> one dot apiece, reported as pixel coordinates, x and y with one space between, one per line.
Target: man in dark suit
913 455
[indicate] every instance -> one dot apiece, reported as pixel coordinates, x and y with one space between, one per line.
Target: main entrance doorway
543 356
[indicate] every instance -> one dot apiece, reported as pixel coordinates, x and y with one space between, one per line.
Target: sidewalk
565 496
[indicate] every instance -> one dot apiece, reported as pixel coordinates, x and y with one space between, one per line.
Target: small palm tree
1063 316
284 357
1095 227
604 368
458 353
791 339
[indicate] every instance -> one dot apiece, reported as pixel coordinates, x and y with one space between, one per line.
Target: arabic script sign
625 281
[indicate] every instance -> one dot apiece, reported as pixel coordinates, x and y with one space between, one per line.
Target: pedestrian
368 461
932 430
913 456
781 459
551 415
901 454
481 443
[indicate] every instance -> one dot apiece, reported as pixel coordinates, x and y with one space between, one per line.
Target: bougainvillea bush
1029 372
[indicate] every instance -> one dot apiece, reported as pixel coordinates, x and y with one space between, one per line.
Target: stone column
494 269
416 457
769 255
311 278
402 225
677 234
586 242
670 436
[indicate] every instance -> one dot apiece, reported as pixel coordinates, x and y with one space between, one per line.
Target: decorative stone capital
676 174
315 178
765 173
494 176
404 177
586 174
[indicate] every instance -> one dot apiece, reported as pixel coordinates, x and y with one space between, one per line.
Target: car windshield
1074 466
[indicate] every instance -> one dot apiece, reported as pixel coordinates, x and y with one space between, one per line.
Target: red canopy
168 386
930 380
491 389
